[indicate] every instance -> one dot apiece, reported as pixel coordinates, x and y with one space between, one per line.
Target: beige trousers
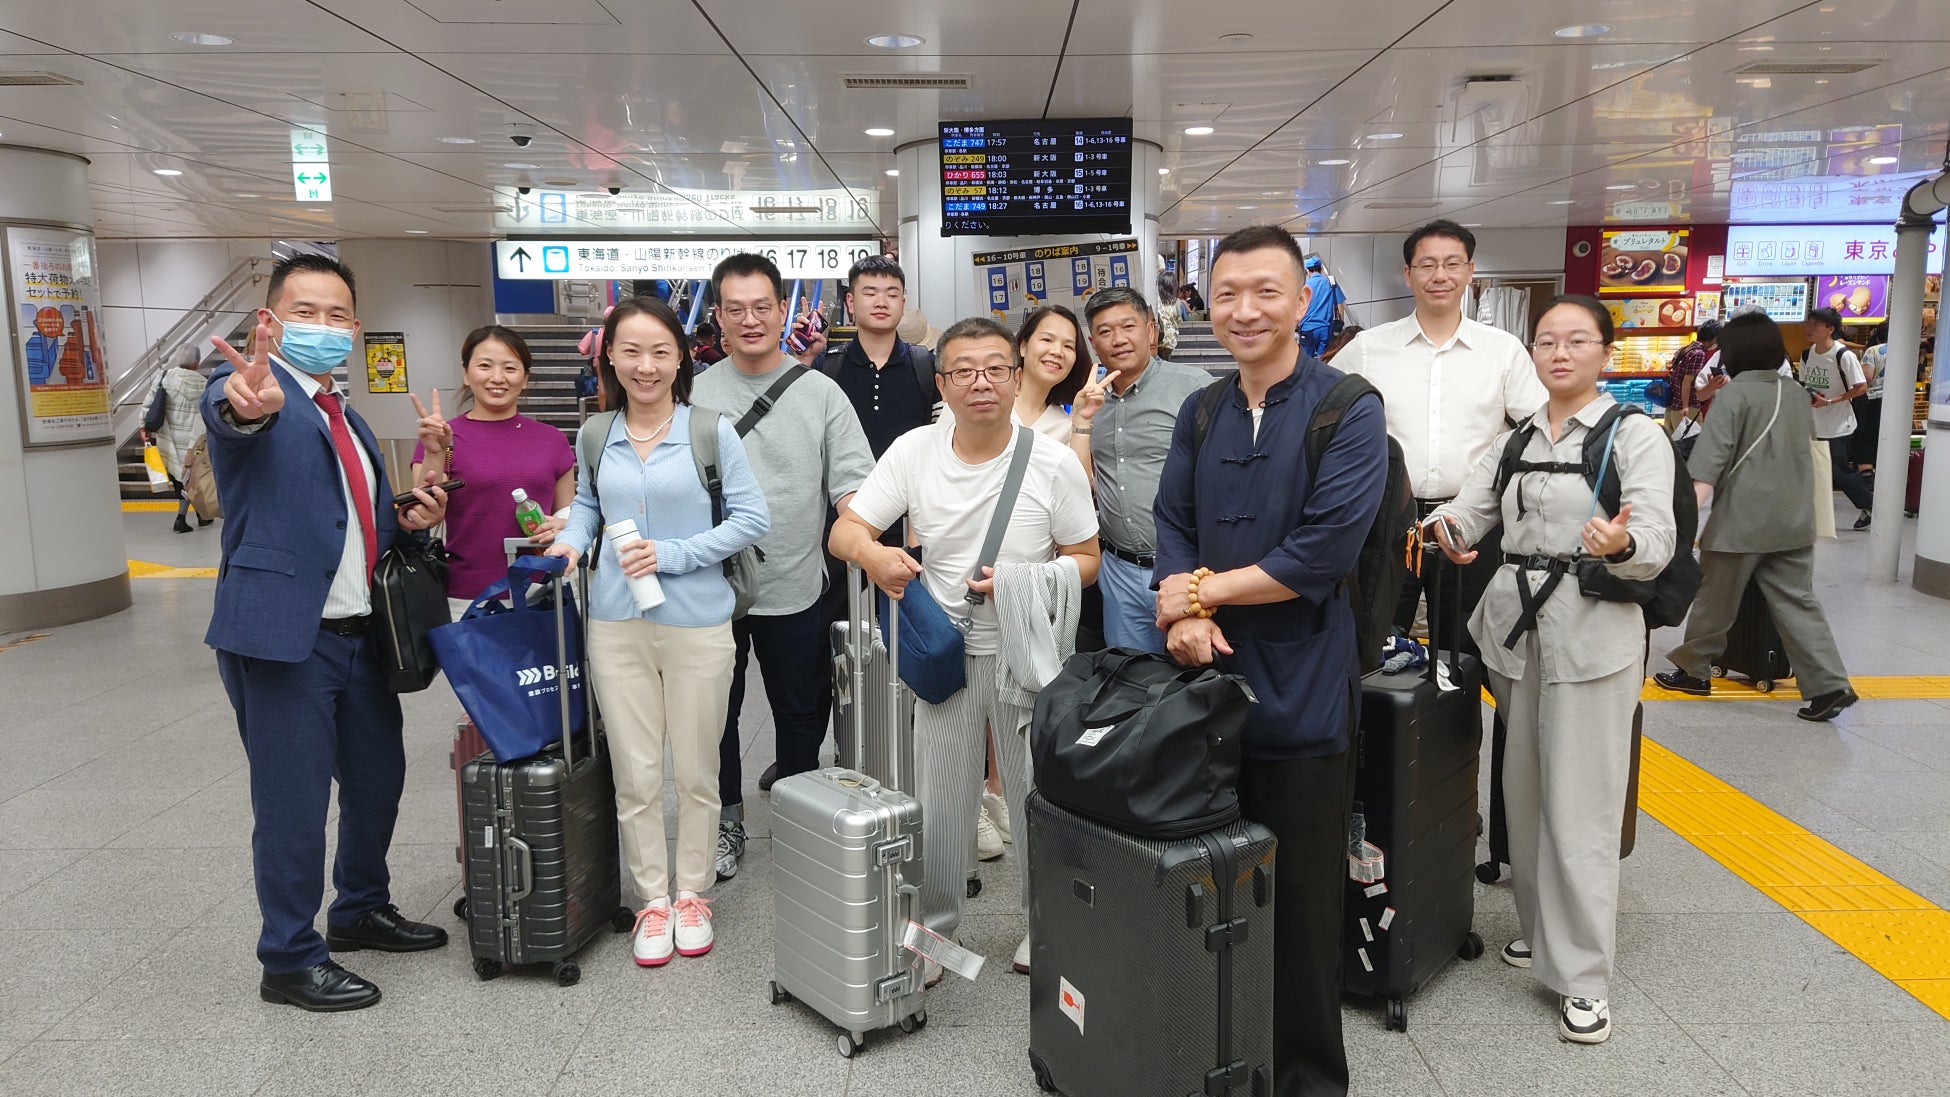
657 685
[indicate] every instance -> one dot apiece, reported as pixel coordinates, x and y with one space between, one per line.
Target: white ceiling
639 93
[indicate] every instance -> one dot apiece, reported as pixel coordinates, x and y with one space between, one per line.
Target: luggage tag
929 945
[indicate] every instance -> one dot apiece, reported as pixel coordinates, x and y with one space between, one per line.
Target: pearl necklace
653 434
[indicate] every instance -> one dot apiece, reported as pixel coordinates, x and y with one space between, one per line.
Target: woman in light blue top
662 675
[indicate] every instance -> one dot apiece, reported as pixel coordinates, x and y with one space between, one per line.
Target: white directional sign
312 182
646 210
308 147
604 259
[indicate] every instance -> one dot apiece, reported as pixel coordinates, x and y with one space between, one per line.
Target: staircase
132 477
1197 346
551 392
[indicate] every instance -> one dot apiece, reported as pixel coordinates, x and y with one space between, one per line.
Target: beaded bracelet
1191 594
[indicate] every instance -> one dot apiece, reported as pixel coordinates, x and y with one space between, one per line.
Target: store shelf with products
1646 354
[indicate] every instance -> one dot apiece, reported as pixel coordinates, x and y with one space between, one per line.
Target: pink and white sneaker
694 936
653 940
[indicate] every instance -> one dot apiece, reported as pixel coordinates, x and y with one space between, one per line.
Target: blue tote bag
931 645
504 661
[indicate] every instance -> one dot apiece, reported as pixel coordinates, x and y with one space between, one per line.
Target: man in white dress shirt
1451 385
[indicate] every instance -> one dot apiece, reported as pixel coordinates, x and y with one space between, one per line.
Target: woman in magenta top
495 449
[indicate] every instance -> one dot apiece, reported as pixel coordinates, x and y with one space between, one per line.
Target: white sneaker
988 840
1516 953
998 812
931 973
1585 1020
694 937
1021 962
652 940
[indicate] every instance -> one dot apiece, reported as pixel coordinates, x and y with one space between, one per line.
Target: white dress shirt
350 594
1446 404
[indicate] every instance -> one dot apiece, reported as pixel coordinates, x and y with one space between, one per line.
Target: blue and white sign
1036 291
1120 270
1828 198
619 258
999 289
1080 276
1808 250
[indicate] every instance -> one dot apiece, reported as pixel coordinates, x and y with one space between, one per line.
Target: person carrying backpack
1256 547
1588 563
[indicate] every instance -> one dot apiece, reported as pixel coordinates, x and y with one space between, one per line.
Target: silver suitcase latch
894 852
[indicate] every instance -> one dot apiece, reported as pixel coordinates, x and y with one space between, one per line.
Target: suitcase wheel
851 1042
1719 672
622 920
485 968
1765 685
1396 1013
566 972
974 886
1043 1081
1489 872
1472 948
778 993
460 908
914 1023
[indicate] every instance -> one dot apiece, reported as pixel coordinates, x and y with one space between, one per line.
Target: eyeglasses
1575 346
1429 266
735 314
962 378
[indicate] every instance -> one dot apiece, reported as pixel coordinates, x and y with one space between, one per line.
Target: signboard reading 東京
1788 250
604 259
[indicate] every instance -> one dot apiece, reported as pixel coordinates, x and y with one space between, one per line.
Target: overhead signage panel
1036 176
1827 198
311 169
678 208
1807 250
608 259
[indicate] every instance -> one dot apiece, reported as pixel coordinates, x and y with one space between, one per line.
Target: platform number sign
999 289
1036 291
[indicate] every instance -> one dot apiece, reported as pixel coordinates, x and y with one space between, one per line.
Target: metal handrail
130 390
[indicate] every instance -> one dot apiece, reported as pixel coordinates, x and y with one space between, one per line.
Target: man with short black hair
1833 375
1684 401
1452 385
890 382
806 448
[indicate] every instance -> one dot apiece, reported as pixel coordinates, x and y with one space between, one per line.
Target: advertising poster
1637 263
1706 306
1641 313
55 299
1860 298
386 361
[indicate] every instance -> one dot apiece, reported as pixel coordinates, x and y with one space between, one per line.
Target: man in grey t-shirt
808 453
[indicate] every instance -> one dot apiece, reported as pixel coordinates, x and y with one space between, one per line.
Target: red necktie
355 474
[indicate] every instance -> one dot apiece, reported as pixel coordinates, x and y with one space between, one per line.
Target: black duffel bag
409 600
1137 742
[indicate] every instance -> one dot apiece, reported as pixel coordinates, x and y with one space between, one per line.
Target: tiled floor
127 919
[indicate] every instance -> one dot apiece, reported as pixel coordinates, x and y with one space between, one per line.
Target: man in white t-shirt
1832 374
947 483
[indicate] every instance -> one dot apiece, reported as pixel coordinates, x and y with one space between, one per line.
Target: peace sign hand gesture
435 433
1608 537
1091 396
252 389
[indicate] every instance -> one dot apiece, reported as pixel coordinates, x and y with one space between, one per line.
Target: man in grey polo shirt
1129 437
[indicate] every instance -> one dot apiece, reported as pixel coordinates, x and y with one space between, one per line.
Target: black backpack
1665 599
920 357
1375 584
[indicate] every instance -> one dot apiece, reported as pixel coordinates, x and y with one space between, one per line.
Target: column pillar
69 560
1899 383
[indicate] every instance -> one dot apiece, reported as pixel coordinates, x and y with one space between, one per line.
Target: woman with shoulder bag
181 393
1566 668
661 668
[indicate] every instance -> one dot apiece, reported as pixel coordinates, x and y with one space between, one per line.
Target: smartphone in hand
407 498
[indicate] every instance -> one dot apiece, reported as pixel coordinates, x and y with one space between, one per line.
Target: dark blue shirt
1247 501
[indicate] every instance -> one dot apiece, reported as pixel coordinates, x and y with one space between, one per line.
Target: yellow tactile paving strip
1888 927
1906 688
143 569
135 506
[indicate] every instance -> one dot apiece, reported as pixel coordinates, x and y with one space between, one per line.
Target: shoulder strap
832 360
704 455
1513 447
1209 403
595 432
764 404
1598 469
922 359
1005 506
1328 413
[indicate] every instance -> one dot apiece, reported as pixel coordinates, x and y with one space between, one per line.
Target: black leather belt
1538 562
347 626
1139 559
1426 507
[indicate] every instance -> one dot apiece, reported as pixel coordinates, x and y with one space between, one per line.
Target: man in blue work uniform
1253 548
1323 315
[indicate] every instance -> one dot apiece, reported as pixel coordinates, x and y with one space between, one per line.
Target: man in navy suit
309 513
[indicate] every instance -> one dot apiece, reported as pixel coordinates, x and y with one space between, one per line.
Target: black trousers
1453 629
1305 803
794 655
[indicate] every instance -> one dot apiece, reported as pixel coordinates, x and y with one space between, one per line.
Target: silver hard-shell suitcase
846 857
873 715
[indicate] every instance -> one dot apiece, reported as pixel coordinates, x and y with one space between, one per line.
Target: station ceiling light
1881 160
166 171
1583 30
879 131
1335 163
199 38
1164 171
416 232
896 41
1197 131
1391 136
457 140
891 171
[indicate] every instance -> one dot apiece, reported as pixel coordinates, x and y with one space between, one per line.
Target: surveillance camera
521 134
523 190
614 190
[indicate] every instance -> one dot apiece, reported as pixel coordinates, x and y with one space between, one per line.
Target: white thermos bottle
645 589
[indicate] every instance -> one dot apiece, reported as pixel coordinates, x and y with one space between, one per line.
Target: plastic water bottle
528 513
645 590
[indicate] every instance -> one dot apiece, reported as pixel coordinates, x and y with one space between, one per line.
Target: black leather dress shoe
1679 681
1827 706
770 777
387 931
321 988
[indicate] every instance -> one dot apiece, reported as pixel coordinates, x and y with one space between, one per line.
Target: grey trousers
1787 581
1565 766
950 747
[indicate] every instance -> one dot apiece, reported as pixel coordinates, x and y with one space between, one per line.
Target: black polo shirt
889 400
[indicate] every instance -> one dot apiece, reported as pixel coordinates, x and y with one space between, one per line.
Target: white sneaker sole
1514 961
1576 1037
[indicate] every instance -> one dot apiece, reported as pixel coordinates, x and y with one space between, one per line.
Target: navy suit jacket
284 523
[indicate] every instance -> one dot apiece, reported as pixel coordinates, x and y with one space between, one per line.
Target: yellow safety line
134 506
1892 929
1883 688
143 569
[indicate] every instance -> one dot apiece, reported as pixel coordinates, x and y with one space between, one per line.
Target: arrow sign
307 177
311 183
521 257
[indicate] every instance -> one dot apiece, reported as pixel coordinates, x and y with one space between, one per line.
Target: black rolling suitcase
541 851
1152 962
1499 837
1417 753
1754 648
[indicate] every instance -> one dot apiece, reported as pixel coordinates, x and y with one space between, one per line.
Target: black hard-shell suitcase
1418 749
541 851
1754 648
1152 962
1499 836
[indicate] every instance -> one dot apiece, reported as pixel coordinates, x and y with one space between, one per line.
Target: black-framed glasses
735 314
962 378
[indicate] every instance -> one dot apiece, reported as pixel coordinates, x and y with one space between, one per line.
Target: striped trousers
950 748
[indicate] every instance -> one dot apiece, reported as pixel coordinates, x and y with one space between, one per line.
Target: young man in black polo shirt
890 383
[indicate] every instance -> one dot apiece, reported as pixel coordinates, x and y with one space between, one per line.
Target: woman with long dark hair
662 674
1056 363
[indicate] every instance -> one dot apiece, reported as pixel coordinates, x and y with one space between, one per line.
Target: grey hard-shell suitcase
1152 961
873 714
540 847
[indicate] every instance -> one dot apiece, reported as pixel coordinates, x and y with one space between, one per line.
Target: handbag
200 480
152 462
932 643
1139 743
157 410
509 662
409 601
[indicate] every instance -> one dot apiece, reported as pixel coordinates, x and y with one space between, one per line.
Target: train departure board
1036 177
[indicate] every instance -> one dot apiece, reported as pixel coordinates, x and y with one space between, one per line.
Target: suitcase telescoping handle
1440 563
862 598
